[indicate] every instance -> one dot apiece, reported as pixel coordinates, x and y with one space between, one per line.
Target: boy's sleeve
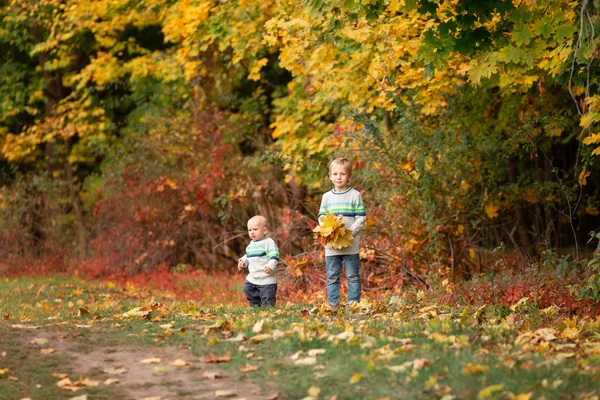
360 217
323 207
245 260
272 254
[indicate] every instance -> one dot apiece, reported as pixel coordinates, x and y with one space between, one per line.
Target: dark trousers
260 295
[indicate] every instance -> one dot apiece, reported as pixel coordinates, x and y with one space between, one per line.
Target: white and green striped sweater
260 254
349 204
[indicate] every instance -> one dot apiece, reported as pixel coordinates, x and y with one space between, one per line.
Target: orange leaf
211 358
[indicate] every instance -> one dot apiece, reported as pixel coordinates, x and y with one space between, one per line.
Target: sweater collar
345 191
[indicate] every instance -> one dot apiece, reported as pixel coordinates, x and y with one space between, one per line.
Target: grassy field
54 329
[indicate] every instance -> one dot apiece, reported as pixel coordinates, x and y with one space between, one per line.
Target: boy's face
339 177
256 229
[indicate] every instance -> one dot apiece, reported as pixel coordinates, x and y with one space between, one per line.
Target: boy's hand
240 265
268 271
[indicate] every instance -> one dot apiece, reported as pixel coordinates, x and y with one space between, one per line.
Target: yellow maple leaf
491 209
583 176
331 231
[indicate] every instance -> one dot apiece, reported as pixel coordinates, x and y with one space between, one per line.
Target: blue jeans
334 270
260 295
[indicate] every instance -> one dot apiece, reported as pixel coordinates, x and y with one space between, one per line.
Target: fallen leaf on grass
414 364
522 396
19 326
570 333
355 378
306 361
240 337
88 382
225 393
144 312
47 351
258 326
82 397
211 358
224 326
67 384
13 378
60 375
420 363
39 341
489 391
111 381
180 363
474 369
274 396
316 352
120 370
4 371
153 360
212 375
260 338
249 368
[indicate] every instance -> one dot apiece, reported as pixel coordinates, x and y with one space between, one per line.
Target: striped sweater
349 204
260 254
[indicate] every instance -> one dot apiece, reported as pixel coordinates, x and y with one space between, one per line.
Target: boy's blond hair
342 162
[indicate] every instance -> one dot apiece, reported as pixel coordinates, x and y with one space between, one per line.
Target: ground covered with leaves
63 338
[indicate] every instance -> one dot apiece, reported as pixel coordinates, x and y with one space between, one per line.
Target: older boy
346 201
261 259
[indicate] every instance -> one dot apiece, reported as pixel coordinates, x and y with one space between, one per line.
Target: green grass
459 356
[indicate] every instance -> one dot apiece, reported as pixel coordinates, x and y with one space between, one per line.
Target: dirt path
91 356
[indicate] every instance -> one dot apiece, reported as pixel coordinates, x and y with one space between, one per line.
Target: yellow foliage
592 210
583 176
331 231
491 209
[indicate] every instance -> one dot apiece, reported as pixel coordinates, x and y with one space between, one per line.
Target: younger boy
346 201
261 259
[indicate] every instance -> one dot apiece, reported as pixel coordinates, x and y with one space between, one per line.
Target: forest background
139 137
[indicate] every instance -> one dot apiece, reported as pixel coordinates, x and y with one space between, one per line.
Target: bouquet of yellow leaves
331 231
